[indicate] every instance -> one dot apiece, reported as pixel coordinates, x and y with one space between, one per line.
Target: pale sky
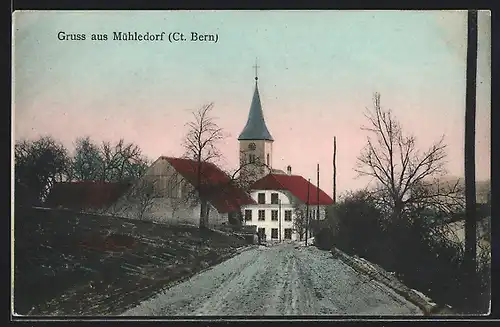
318 72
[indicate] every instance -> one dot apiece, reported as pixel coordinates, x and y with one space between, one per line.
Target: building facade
167 189
272 215
279 216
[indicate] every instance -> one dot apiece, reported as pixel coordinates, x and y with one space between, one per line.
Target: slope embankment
69 263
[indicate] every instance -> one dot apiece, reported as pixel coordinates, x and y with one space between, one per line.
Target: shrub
357 224
323 238
416 249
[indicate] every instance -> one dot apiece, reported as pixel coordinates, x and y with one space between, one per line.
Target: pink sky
311 90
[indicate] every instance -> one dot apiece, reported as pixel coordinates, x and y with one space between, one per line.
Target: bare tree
405 176
200 144
300 219
237 187
118 162
251 169
121 162
38 165
87 162
445 198
142 196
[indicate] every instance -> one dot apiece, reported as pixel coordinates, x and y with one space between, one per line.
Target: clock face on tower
251 146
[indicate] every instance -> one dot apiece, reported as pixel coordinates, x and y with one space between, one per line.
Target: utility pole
317 196
470 169
334 169
279 218
307 209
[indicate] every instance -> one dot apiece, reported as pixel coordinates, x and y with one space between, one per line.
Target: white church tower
256 143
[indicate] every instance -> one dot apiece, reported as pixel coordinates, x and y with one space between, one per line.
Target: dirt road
278 280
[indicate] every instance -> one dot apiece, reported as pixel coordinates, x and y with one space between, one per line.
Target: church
280 198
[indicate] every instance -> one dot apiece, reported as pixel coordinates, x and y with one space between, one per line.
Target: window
288 215
251 158
262 232
248 215
274 198
318 214
274 233
268 161
262 214
262 198
274 215
288 233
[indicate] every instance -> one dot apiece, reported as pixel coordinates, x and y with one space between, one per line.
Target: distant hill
483 188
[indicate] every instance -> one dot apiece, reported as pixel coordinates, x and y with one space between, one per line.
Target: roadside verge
380 275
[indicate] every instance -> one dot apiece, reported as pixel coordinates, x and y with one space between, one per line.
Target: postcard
251 164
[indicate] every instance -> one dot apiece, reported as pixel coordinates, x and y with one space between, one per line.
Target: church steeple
255 128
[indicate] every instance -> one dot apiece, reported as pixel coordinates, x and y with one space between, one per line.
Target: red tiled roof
224 196
85 195
297 185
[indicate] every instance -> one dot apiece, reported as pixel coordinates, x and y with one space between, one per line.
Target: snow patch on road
277 280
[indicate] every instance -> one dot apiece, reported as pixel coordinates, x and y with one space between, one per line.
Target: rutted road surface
278 280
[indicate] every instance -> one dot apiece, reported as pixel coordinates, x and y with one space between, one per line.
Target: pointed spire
255 128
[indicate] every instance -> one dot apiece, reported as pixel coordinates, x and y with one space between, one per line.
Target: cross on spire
256 73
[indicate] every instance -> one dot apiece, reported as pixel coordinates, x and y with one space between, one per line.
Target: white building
273 216
280 211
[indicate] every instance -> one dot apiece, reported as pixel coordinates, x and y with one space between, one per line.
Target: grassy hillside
78 264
